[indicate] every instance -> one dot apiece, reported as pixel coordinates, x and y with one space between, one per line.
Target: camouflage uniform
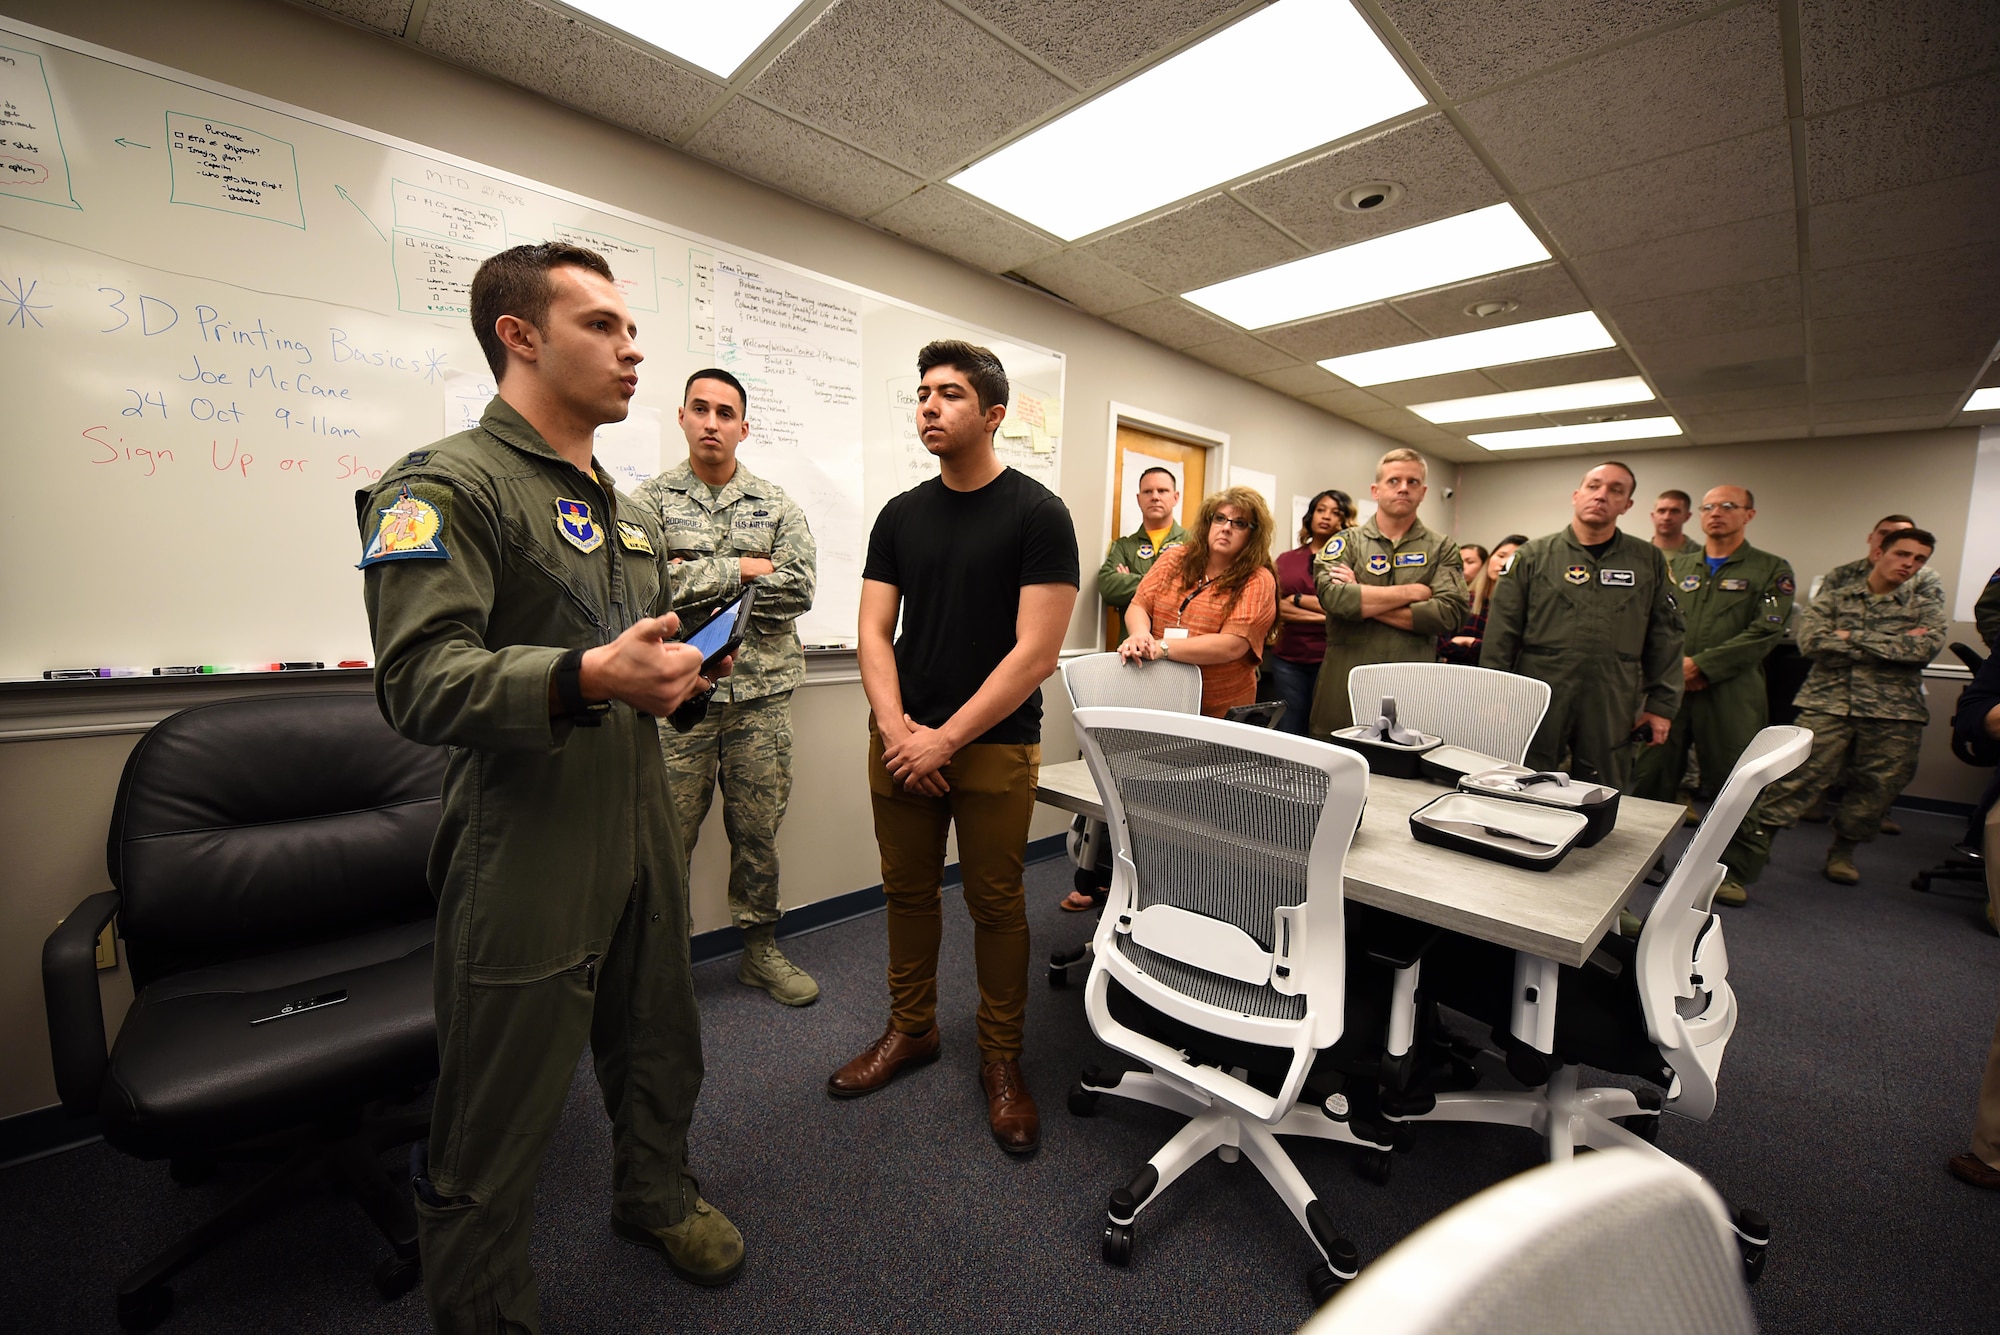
747 734
1866 691
1420 556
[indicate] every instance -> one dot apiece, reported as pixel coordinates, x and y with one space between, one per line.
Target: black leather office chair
268 861
1966 861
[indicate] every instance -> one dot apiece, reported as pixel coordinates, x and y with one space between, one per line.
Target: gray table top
1560 915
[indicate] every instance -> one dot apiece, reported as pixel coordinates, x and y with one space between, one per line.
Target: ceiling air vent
1370 196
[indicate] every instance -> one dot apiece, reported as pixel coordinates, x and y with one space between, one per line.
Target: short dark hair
1894 519
1675 494
717 373
1148 472
516 282
982 369
1614 463
1910 534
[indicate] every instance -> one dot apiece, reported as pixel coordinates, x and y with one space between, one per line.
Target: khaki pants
991 801
1986 1128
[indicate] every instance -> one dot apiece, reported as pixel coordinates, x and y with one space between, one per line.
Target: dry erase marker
353 663
86 674
195 671
297 667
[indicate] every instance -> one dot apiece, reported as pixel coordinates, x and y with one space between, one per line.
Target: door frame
1145 419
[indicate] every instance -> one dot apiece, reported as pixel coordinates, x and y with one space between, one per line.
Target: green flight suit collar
1417 533
1743 553
743 483
504 422
1619 538
1175 533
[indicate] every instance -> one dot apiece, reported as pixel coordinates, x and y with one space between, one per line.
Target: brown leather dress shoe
882 1061
1010 1109
1969 1167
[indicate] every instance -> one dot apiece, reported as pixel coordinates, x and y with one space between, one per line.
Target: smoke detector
1370 196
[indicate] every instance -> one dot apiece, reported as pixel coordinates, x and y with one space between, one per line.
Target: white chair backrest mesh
1104 679
1495 713
1613 1241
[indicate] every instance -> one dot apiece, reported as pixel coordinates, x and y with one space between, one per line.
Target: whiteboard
221 315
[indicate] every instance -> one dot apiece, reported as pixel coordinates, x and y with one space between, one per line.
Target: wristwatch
1163 651
1296 603
569 693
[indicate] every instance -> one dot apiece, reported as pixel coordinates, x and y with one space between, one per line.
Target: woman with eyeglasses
1211 602
1301 645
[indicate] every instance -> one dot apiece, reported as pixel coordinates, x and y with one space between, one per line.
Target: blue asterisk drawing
17 295
433 365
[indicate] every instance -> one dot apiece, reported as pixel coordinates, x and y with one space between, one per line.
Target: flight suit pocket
753 531
689 542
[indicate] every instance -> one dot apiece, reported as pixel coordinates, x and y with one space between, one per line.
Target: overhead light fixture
715 37
1521 402
1983 400
1532 341
1541 437
1448 251
1287 78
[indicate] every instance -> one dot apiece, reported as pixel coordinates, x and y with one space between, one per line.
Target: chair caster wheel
1058 976
1464 1075
397 1275
190 1172
1920 882
1118 1244
1646 1126
1082 1102
1323 1283
1753 1231
145 1308
1374 1166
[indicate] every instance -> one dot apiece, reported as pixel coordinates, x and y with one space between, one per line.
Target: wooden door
1190 462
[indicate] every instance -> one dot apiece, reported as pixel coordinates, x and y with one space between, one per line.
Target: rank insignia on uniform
1336 545
1786 586
1411 558
579 530
1733 585
416 456
1145 550
1774 619
1623 579
1577 574
1378 564
633 538
409 528
1691 583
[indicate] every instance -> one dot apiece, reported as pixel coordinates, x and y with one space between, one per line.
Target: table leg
1534 1010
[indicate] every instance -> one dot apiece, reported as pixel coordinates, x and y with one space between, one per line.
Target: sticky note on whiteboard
1052 417
1040 443
1015 430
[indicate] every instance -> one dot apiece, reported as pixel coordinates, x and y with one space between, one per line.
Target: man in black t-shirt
981 562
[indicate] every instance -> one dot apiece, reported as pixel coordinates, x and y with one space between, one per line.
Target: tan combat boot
1732 891
1840 866
765 966
704 1247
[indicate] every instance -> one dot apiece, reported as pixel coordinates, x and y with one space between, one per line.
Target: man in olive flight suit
1986 614
1736 601
1389 587
1590 610
515 603
1133 555
725 528
1868 643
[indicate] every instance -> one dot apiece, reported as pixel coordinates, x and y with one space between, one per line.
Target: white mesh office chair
1220 959
1495 713
1106 679
1617 1241
1661 1009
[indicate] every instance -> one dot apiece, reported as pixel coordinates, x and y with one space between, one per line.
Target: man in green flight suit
1389 587
1986 614
1868 643
1133 555
515 600
725 528
1736 601
1590 610
1671 511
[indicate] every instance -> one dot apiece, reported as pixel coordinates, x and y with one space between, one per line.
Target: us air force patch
1145 550
1410 558
578 529
632 537
1691 583
1378 564
1623 579
1577 574
410 528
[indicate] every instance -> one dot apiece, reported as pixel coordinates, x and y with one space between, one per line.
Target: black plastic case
1562 830
1386 758
1596 803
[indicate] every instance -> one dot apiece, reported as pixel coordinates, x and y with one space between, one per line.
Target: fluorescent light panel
717 35
1521 402
1449 251
1983 400
1541 437
1528 342
1279 82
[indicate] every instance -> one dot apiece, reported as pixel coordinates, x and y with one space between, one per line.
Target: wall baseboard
43 1131
1936 805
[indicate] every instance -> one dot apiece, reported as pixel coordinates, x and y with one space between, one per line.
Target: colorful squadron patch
1378 564
632 537
1577 574
1787 587
578 529
1336 545
1691 583
410 528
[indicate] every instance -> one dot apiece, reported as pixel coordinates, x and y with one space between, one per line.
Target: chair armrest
75 1010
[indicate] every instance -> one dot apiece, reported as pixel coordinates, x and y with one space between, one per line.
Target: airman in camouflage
1869 643
726 527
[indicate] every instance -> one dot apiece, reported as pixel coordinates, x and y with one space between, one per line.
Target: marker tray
1459 821
1596 802
1448 764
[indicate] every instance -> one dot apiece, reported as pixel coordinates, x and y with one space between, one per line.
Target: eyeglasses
1240 525
1726 507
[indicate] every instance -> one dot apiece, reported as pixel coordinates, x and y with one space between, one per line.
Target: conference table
1548 918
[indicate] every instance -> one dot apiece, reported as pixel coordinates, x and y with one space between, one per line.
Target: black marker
300 667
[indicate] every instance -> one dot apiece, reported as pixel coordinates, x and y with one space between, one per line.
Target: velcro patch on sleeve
412 526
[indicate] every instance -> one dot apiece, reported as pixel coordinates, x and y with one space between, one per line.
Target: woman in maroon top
1301 643
1463 647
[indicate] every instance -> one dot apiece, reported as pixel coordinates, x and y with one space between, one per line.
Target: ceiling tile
1991 376
1088 281
1606 365
766 146
1739 252
1712 80
1674 359
1432 388
868 70
1172 322
1731 400
1932 215
1920 136
389 16
1345 401
1852 50
1091 40
941 218
1794 418
1719 310
1870 410
570 61
1524 422
1901 358
1204 242
1439 173
1473 44
1301 381
1971 320
1908 280
1539 293
1706 377
1740 437
1240 353
1875 427
1852 389
1384 419
1737 179
1416 431
1360 330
